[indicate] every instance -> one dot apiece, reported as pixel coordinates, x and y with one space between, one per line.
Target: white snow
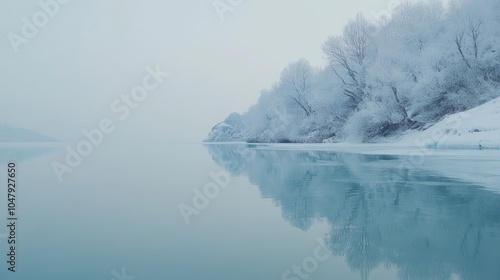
450 147
478 128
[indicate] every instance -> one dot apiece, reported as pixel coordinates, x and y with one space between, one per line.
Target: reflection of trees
425 225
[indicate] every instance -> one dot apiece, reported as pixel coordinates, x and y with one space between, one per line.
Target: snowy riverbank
478 128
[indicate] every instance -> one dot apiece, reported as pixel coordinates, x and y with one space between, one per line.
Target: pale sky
64 79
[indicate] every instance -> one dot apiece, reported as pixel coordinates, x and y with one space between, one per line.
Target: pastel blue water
375 216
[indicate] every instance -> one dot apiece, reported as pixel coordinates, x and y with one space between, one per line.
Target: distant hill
14 134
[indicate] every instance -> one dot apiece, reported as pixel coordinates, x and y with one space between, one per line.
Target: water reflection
424 224
23 153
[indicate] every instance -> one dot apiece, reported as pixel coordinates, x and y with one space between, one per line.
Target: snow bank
477 128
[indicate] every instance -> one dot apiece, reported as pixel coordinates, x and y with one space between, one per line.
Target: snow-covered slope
476 128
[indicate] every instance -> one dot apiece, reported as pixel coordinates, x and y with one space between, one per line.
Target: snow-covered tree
424 62
346 56
296 83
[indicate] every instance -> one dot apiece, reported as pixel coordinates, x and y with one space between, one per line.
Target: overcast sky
65 77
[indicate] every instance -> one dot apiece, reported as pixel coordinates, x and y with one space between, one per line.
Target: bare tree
349 53
401 106
468 22
474 24
356 37
296 83
459 42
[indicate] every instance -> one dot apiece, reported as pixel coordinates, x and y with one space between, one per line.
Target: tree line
381 78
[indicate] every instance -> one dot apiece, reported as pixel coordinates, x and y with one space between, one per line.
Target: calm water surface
253 212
